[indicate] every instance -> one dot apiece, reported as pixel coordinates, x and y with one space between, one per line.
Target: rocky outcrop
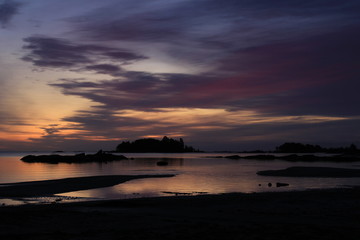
100 156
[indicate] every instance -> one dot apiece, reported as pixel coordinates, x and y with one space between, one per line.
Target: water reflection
195 174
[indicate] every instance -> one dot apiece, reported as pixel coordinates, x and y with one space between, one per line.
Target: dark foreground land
315 214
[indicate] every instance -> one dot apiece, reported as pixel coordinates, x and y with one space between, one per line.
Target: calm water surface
195 174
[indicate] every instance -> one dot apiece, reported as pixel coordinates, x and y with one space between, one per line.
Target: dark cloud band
7 11
60 53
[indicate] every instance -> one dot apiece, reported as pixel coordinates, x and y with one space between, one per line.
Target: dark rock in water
100 156
233 157
260 157
179 193
278 184
162 163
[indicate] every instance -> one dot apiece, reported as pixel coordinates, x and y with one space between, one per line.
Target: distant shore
320 214
297 157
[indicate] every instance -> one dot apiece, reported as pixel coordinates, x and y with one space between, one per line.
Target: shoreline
319 172
56 186
324 213
49 188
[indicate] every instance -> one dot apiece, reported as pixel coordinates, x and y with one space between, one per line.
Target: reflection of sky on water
194 183
6 201
194 174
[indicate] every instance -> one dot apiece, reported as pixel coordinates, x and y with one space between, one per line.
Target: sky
228 75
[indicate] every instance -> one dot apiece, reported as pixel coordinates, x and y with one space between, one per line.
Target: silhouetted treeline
166 145
290 147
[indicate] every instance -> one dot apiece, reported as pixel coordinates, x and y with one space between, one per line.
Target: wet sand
315 214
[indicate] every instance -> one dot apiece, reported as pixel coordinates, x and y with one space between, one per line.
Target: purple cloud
262 59
105 69
61 53
8 9
225 24
257 78
207 31
276 58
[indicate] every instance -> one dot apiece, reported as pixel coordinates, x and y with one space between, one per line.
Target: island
151 145
100 157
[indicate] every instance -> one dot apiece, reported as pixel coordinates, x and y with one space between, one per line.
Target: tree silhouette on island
151 145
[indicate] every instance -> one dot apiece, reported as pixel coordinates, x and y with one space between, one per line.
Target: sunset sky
223 75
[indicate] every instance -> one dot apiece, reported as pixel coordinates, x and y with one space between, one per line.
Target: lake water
196 173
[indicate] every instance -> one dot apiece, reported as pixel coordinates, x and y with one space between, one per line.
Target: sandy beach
313 214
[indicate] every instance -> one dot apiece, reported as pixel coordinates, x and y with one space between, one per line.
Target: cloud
8 9
51 130
268 136
272 78
51 52
140 90
104 69
290 65
314 75
108 128
202 33
47 52
266 52
292 89
226 24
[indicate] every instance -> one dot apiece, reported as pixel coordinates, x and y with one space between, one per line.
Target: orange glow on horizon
171 135
183 120
203 118
19 133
